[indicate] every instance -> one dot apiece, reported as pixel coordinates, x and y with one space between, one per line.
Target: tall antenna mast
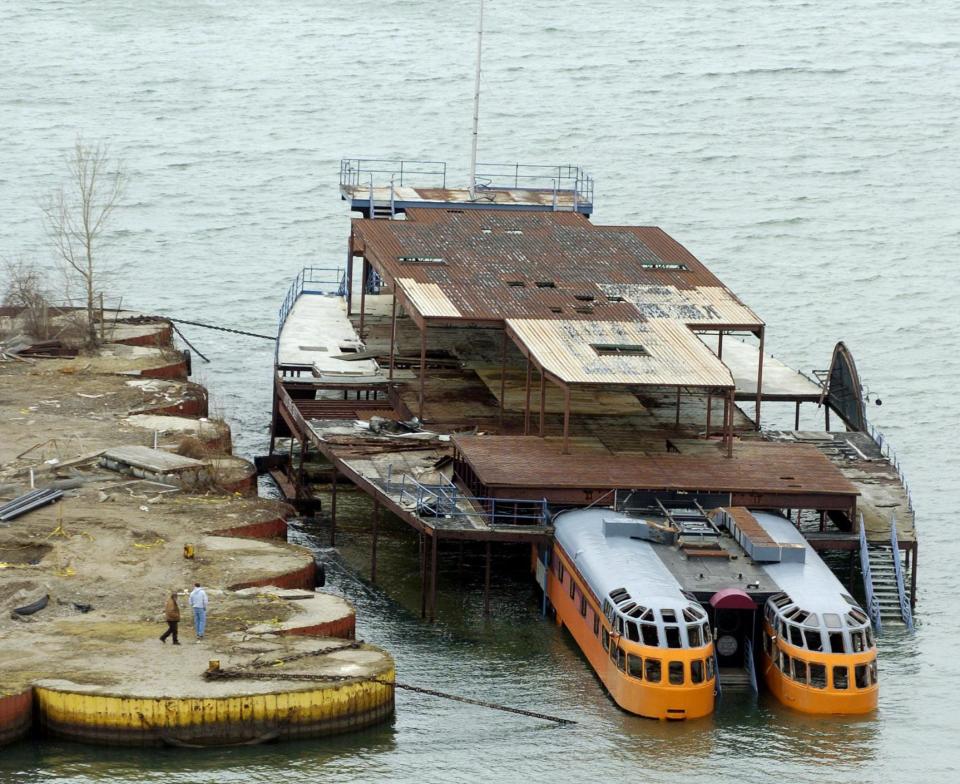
476 110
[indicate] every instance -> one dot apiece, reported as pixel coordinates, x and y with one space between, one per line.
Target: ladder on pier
885 580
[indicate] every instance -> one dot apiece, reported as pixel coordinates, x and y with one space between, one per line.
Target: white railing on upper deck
446 501
382 172
873 606
566 180
558 180
905 611
312 280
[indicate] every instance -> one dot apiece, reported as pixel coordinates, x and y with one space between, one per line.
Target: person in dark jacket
171 612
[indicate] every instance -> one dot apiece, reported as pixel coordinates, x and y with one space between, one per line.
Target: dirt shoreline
111 551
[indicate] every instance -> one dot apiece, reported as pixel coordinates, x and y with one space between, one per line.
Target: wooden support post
423 576
756 418
393 331
433 578
543 402
486 584
709 411
796 419
365 270
423 368
373 543
566 419
503 379
526 405
333 507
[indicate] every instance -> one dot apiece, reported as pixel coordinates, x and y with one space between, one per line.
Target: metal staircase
888 598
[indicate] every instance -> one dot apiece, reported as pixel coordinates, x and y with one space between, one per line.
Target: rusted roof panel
656 352
496 265
427 298
756 467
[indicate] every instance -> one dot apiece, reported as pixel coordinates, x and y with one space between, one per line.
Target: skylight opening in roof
546 284
421 260
516 284
584 297
619 350
664 265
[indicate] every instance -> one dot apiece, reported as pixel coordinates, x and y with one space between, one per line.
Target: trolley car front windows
693 636
696 671
673 636
651 669
635 666
676 673
651 635
818 676
860 676
841 678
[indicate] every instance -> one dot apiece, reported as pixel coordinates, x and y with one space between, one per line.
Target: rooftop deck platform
378 187
760 474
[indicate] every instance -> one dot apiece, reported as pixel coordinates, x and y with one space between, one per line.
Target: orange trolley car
615 580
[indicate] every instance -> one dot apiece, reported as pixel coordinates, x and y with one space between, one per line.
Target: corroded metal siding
144 721
495 265
675 356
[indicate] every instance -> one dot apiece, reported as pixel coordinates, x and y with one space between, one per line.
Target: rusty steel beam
373 543
763 332
393 332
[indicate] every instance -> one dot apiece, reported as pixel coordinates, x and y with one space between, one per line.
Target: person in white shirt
198 602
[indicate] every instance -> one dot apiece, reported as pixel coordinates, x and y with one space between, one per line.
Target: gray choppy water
806 151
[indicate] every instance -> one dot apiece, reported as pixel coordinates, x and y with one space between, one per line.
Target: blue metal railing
381 172
873 607
905 612
313 280
370 173
446 500
750 664
883 444
555 179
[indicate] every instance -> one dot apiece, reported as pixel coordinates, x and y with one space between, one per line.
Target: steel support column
756 418
566 419
423 575
526 405
796 419
393 331
373 543
678 407
423 368
709 411
720 345
365 270
486 584
433 578
543 402
503 379
333 507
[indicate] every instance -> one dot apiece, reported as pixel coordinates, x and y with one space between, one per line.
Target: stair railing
873 606
750 664
905 612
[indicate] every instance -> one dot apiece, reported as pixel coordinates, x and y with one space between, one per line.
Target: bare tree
25 291
77 215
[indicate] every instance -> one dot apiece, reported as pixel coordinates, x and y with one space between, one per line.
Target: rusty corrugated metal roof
656 352
427 298
496 265
756 467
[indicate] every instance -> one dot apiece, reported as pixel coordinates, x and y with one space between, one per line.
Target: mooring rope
219 328
247 674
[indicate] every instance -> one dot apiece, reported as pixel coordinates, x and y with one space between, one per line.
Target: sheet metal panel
484 252
676 357
428 299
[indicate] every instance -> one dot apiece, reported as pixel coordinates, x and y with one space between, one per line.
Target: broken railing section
883 443
448 502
